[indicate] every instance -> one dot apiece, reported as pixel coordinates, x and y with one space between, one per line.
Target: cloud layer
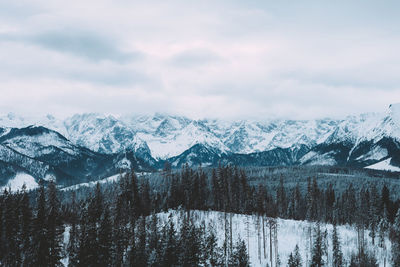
227 59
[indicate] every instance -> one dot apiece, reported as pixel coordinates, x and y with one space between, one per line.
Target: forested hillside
115 224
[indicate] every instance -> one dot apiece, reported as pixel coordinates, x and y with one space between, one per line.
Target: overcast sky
220 59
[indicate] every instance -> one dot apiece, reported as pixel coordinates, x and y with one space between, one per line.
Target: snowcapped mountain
167 136
100 133
46 154
360 141
92 146
249 136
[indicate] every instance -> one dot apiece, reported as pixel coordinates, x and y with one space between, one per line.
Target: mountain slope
46 154
93 146
361 141
168 136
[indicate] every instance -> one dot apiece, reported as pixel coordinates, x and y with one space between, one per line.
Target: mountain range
87 147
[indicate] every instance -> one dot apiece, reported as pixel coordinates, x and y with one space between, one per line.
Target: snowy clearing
19 180
290 233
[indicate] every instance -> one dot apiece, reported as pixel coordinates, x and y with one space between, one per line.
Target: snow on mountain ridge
167 136
31 145
12 120
100 133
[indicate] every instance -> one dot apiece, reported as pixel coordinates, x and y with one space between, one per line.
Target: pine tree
154 236
10 227
54 226
141 251
281 199
73 246
84 257
239 257
26 227
337 252
364 260
213 253
40 242
309 201
119 233
317 252
92 244
145 197
204 190
396 240
2 241
169 250
190 244
374 212
383 227
105 239
291 262
216 191
295 258
97 203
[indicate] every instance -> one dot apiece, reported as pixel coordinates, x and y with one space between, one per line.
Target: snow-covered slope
360 140
167 136
18 181
12 120
46 154
384 165
356 140
35 141
290 233
100 133
110 179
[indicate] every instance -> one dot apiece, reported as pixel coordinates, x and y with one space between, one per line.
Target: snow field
290 233
19 180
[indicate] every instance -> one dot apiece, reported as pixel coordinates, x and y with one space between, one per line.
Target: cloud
31 64
83 44
200 59
195 58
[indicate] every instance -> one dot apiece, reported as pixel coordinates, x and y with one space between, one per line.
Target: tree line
116 225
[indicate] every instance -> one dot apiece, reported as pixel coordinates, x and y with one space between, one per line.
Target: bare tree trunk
276 243
226 238
384 254
360 241
270 241
248 232
263 230
230 232
310 235
258 238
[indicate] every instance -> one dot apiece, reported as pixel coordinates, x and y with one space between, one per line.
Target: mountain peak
394 112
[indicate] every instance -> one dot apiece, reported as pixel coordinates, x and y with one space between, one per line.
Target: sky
215 59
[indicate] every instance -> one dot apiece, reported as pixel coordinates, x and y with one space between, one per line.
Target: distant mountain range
88 147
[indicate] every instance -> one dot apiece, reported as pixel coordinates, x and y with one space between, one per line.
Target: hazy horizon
156 113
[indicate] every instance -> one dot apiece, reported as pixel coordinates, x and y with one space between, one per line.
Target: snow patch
49 177
124 164
384 165
290 233
110 179
19 180
313 158
377 153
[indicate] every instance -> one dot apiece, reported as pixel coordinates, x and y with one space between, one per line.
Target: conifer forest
199 217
